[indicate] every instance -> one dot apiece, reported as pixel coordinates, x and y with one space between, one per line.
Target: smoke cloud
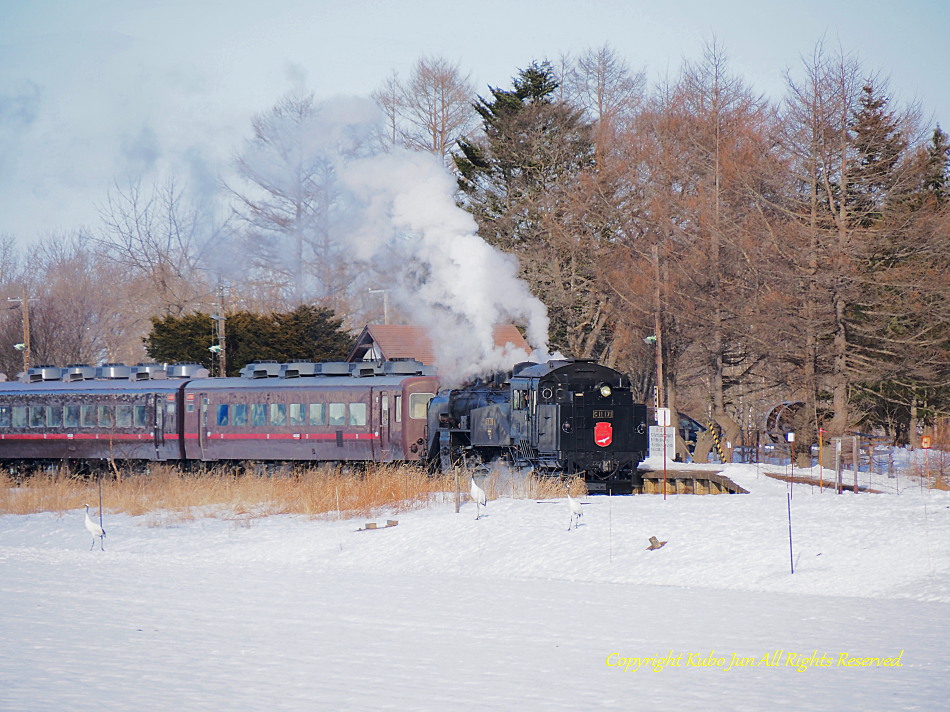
435 265
395 216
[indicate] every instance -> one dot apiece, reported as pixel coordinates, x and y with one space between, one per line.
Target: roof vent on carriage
113 371
298 369
407 367
301 369
148 372
333 368
44 373
361 369
261 369
187 370
79 372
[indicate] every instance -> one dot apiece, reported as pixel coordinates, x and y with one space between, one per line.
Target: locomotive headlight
604 390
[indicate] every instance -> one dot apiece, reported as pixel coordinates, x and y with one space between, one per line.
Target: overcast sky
97 91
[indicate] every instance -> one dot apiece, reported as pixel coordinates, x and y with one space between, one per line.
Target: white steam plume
394 215
436 266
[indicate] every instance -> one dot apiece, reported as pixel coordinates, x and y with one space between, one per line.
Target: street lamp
24 303
218 348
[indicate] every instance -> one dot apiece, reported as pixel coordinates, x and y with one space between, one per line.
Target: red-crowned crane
478 495
93 528
575 507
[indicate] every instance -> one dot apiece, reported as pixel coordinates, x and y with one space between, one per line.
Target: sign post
791 442
663 420
925 443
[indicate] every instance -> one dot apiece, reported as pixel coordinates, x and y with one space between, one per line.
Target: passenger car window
358 414
106 416
123 416
338 414
54 416
88 416
38 416
278 414
239 414
222 419
418 404
318 414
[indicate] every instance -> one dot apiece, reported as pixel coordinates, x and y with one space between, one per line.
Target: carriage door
156 405
203 423
383 404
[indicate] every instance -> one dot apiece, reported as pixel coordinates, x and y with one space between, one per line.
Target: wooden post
856 460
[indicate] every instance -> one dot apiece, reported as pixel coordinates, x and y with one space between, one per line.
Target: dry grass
168 495
933 470
941 434
504 482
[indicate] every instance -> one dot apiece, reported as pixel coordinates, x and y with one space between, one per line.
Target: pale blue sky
94 91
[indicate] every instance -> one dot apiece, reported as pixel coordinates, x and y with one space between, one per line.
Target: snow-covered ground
510 612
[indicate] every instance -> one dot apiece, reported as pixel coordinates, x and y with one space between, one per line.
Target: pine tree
523 179
532 144
937 178
880 145
307 333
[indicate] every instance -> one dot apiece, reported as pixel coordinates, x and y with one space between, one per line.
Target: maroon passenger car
310 412
273 413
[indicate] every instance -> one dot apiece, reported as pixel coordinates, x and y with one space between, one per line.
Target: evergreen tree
880 145
307 333
898 349
937 178
532 145
523 179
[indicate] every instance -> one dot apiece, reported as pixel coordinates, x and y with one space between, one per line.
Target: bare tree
389 98
290 199
432 110
79 305
602 83
154 237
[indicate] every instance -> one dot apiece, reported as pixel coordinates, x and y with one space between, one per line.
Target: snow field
509 612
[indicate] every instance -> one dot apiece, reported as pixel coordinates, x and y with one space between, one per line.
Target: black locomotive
560 417
568 416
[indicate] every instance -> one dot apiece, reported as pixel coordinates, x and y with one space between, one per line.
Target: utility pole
222 353
24 303
220 321
658 331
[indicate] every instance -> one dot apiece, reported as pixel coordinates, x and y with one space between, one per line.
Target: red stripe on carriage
290 436
76 436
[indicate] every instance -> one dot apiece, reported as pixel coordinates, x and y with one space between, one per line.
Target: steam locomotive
566 416
560 417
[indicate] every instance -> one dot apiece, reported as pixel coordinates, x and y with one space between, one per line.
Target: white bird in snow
94 529
575 507
478 495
